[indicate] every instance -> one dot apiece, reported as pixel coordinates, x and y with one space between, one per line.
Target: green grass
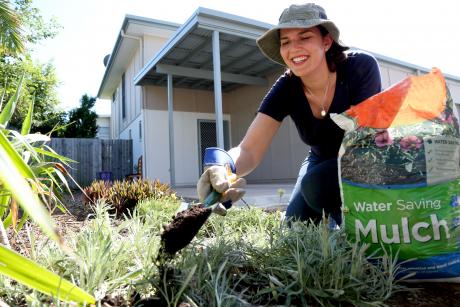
247 258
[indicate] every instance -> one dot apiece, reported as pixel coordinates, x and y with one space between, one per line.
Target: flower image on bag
399 168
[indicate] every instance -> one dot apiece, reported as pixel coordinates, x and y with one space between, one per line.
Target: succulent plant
123 196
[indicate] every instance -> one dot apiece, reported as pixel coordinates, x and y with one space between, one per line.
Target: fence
95 157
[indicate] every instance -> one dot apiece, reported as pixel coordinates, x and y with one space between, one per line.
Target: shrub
123 196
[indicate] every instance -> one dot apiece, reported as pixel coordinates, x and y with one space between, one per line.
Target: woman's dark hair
336 53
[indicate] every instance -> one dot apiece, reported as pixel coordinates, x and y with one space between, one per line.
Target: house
103 126
177 89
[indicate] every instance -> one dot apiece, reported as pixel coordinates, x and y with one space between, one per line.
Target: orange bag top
410 101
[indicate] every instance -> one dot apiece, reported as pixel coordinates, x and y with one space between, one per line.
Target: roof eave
206 18
128 19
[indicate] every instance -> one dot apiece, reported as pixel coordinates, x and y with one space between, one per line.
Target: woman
321 79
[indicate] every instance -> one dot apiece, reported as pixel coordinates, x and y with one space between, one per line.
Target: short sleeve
364 75
275 103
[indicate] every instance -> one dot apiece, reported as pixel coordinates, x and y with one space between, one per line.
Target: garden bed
245 259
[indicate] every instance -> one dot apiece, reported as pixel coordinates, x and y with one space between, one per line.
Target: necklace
323 101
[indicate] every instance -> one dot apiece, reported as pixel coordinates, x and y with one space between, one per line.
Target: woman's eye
305 37
284 43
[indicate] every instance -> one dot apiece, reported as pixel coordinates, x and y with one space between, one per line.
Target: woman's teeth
299 59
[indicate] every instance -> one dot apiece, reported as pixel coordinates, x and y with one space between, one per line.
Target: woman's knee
320 188
298 209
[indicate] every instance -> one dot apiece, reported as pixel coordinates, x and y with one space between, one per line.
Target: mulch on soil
427 295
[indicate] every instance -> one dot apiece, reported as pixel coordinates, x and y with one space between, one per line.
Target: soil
183 228
427 295
65 222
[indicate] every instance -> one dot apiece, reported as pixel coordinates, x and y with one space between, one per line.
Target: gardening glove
218 178
219 174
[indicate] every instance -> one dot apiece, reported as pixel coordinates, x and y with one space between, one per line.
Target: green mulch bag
399 168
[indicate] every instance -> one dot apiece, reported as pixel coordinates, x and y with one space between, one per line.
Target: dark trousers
316 190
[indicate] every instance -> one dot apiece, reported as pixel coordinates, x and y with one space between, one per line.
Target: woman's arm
249 153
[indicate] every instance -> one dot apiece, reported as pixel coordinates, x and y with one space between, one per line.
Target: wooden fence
95 158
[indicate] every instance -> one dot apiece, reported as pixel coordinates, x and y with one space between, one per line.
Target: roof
125 46
188 54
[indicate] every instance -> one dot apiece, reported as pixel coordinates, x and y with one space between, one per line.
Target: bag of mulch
399 168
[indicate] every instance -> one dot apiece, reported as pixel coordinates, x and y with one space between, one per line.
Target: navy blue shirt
358 78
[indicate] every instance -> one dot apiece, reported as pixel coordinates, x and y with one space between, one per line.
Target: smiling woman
321 78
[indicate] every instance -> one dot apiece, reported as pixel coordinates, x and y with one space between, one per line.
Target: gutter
130 19
141 43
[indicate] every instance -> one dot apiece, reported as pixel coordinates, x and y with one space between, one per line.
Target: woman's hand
221 179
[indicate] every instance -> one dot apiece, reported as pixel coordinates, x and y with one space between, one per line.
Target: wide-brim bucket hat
296 16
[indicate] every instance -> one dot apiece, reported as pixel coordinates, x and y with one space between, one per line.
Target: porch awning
188 55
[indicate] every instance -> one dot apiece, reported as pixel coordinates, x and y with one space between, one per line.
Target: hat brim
269 42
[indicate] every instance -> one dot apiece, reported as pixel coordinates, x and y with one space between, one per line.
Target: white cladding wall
392 74
103 130
454 89
185 145
132 132
133 95
152 45
115 115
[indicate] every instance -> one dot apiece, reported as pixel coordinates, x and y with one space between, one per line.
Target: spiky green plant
123 196
253 258
30 180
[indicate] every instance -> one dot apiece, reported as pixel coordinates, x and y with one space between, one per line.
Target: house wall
281 161
285 154
186 151
132 126
152 44
115 114
133 93
392 74
283 158
454 89
184 100
133 132
103 123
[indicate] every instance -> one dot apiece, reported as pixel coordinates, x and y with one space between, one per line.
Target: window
207 137
123 97
140 130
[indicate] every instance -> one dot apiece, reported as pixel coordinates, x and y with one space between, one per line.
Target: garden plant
248 258
32 177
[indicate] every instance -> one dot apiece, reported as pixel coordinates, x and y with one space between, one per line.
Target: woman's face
304 50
